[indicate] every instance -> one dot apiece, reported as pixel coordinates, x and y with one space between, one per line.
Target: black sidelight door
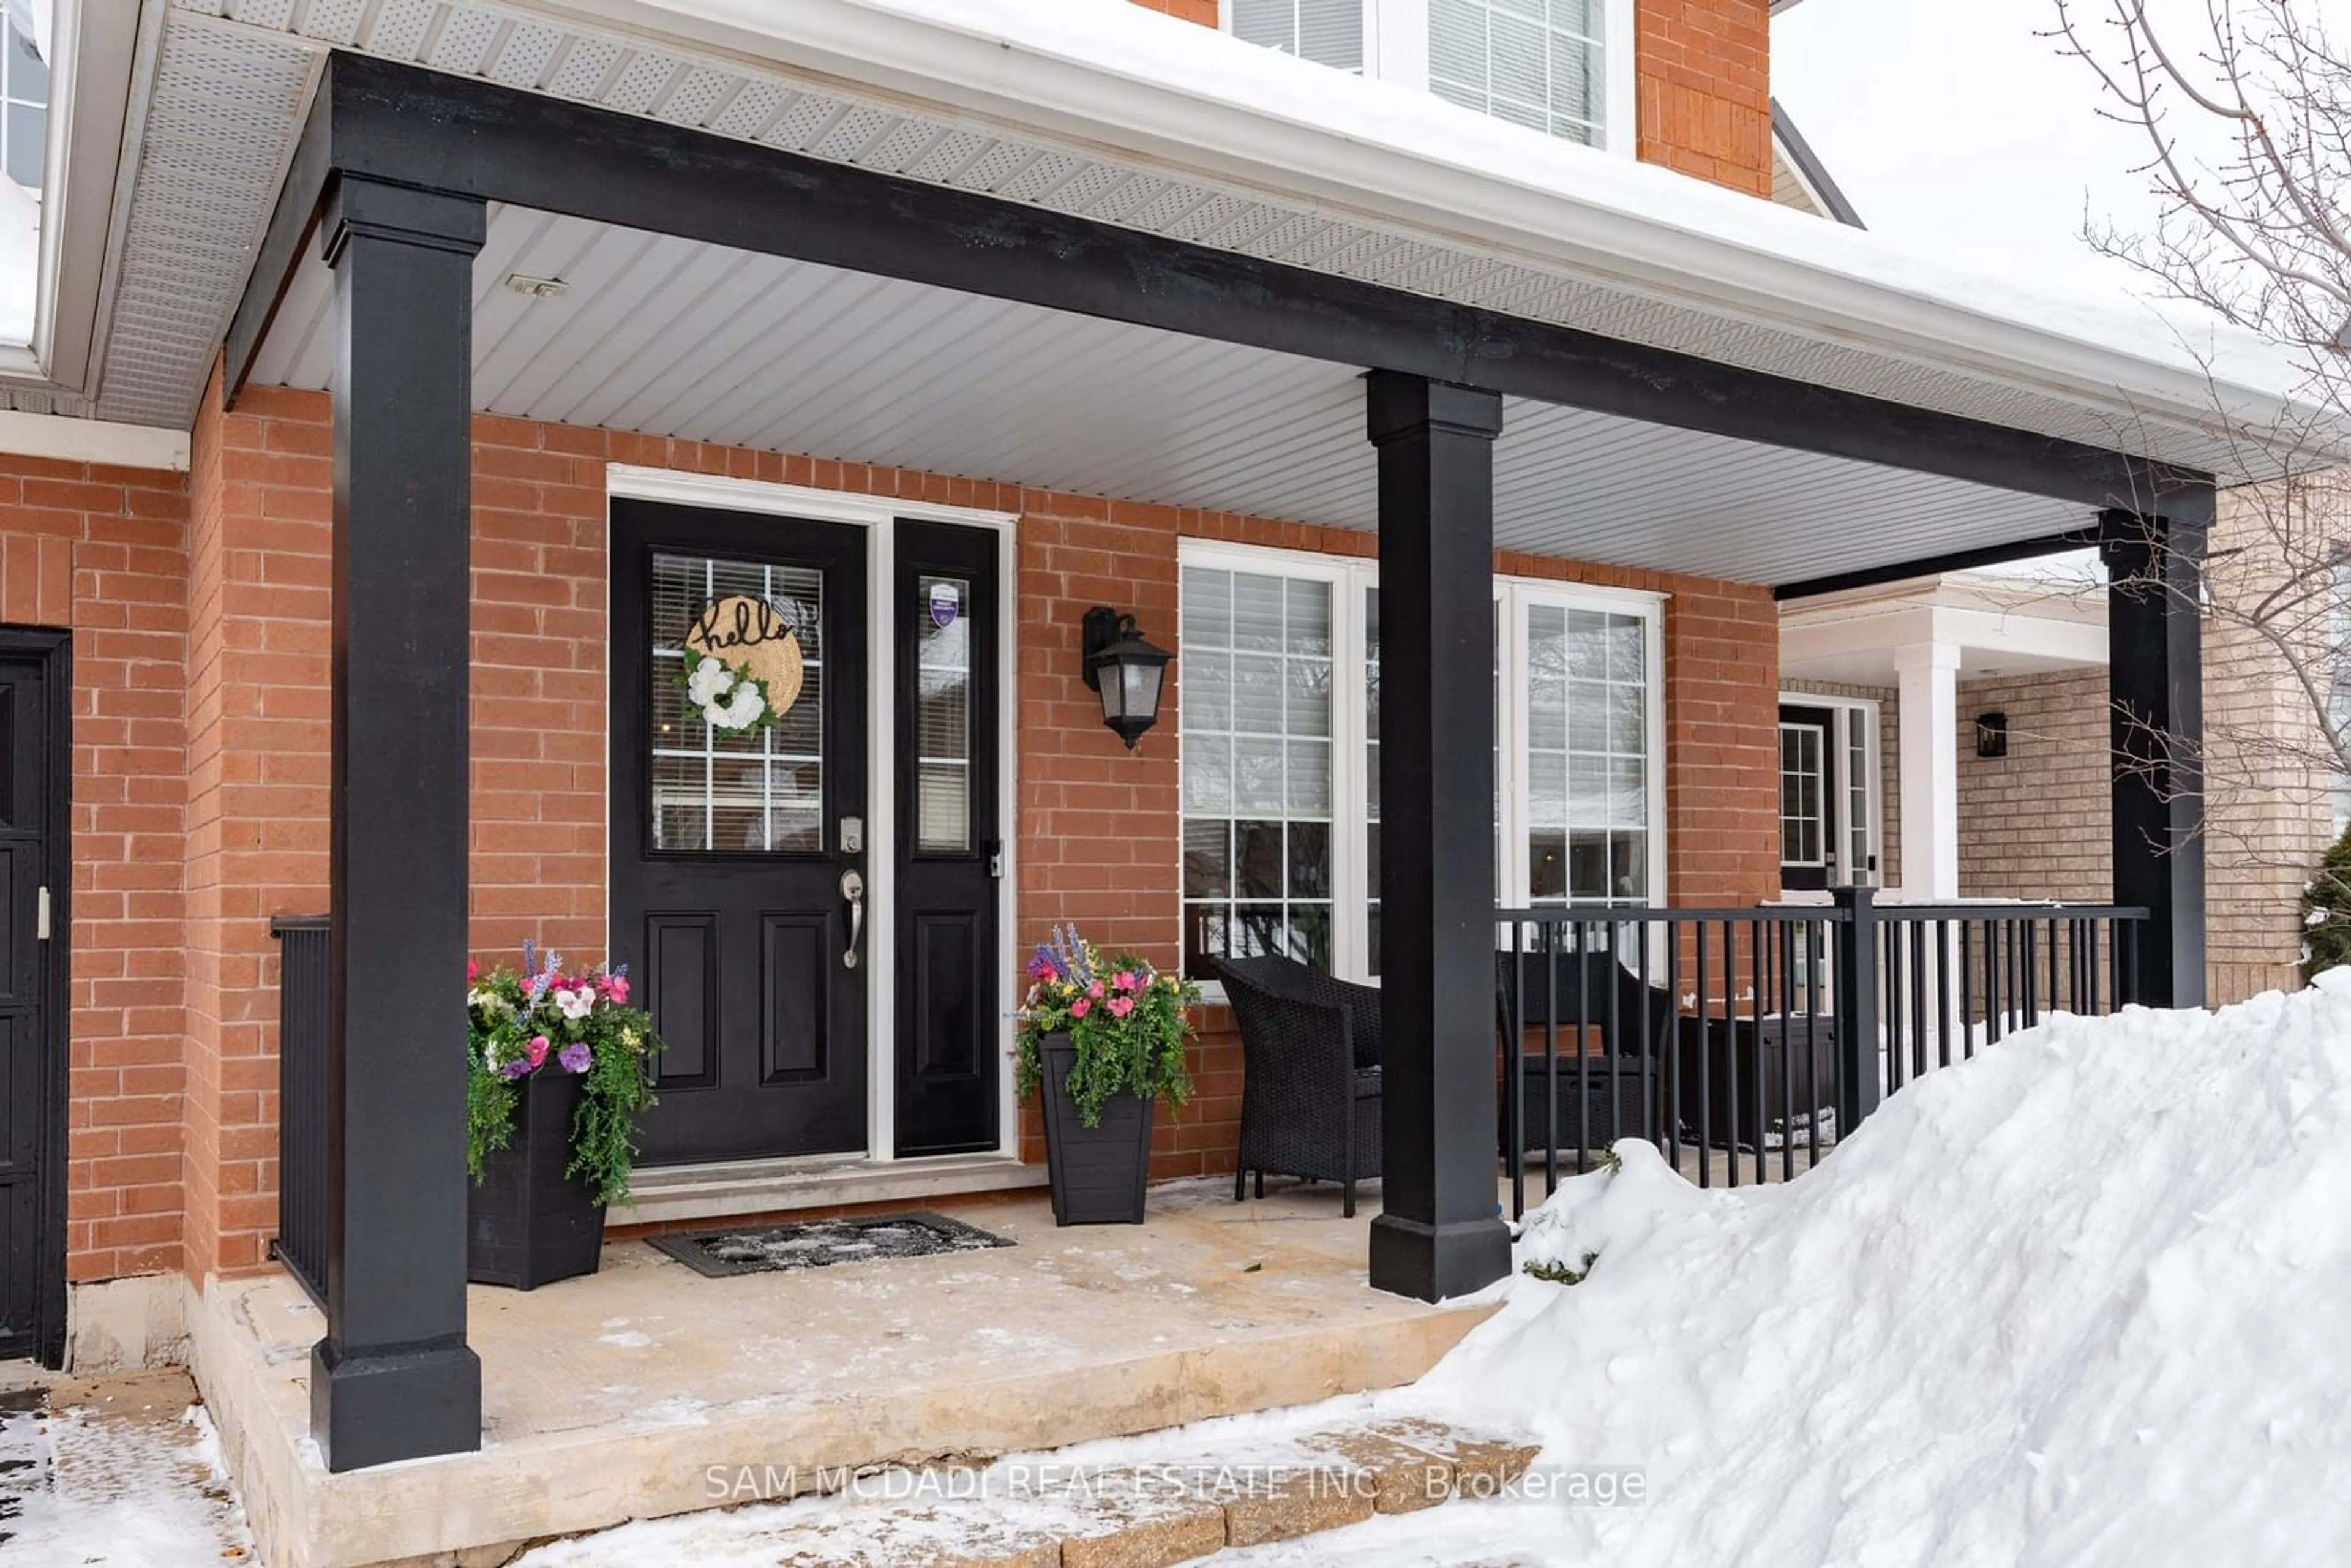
33 777
737 857
1808 796
950 852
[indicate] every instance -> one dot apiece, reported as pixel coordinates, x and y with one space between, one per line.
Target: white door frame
878 515
1868 712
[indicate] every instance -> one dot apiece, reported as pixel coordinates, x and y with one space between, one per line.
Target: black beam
1438 1233
2155 672
436 131
394 1378
1936 565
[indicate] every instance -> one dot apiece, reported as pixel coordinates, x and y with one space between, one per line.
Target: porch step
1142 1505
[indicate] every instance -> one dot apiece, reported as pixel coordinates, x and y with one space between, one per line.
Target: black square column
2154 673
393 1379
1440 1232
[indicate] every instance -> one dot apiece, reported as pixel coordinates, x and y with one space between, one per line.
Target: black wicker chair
1611 1095
1311 1074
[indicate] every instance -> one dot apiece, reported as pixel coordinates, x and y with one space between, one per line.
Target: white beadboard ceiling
230 76
673 338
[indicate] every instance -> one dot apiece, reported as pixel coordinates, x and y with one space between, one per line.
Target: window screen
1536 63
1328 32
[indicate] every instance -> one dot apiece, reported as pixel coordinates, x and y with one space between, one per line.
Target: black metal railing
302 1109
1743 1041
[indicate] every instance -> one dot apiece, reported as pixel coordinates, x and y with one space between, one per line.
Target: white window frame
1350 577
1867 712
1395 49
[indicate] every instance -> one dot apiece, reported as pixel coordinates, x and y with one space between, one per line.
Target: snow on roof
1106 70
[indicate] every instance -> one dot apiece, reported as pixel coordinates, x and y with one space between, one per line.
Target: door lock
852 835
852 888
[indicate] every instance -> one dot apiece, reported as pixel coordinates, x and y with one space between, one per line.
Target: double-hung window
1279 688
1560 67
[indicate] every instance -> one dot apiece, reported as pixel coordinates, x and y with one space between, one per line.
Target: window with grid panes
1258 665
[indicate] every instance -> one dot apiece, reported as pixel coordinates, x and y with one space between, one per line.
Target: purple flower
519 1068
574 1057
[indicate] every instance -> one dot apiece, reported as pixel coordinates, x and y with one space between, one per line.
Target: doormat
820 1243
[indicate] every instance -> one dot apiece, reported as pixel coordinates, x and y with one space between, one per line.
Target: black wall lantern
1991 735
1125 670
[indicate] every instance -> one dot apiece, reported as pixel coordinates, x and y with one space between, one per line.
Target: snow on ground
2086 1300
123 1472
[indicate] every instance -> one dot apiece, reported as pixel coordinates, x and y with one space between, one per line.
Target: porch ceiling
675 337
1114 116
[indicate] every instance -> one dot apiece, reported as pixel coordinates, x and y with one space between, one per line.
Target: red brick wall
1098 825
1704 89
103 552
1201 11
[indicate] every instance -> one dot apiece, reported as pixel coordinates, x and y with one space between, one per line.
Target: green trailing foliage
544 1020
1127 1023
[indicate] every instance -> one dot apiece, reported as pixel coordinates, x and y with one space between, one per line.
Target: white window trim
879 516
1395 49
1868 713
1350 576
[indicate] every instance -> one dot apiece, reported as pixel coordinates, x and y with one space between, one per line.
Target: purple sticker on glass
946 602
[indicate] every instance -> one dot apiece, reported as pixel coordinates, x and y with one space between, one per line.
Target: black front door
1808 796
33 774
949 846
737 857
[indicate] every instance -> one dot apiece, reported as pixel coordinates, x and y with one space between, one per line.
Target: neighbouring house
2010 664
406 378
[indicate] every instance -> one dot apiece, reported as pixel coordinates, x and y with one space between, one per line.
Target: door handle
852 888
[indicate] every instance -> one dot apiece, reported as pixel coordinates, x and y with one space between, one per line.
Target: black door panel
950 838
727 863
33 773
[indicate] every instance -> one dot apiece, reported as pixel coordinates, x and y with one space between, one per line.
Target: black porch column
2154 670
394 1378
1440 1233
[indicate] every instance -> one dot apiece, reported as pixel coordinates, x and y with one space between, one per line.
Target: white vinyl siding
1328 32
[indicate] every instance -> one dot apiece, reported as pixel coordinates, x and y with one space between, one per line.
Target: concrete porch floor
619 1395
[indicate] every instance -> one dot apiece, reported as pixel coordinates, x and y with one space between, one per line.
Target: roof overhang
95 52
1160 128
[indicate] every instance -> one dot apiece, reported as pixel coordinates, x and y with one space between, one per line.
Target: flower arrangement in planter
1103 1039
556 1074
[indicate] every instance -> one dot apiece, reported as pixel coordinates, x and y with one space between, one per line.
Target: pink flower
1095 990
1121 1006
617 988
536 1051
1079 1008
1124 980
473 971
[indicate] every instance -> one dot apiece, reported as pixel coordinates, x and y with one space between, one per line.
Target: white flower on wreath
709 682
739 711
576 1004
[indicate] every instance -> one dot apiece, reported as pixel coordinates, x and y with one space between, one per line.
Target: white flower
709 683
487 1001
739 711
576 1004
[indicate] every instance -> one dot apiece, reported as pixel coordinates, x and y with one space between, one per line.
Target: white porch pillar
1928 682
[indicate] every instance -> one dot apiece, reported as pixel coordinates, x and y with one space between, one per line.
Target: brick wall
103 551
1705 89
1098 825
1204 12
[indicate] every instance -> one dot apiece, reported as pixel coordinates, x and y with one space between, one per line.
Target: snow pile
2083 1299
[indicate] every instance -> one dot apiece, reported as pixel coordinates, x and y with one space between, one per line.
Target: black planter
526 1224
1098 1172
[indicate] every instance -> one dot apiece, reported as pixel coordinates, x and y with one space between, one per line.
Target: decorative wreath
743 668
